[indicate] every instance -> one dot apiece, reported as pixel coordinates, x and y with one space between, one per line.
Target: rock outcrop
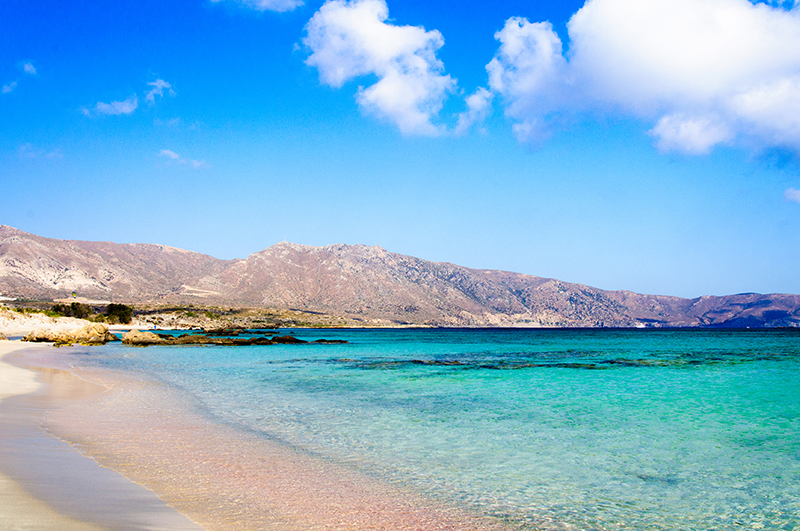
91 334
135 337
143 339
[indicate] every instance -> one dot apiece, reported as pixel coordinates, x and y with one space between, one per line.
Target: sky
624 144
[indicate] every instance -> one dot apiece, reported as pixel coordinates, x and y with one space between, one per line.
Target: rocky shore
89 334
99 334
256 337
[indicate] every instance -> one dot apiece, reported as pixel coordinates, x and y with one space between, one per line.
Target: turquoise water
549 429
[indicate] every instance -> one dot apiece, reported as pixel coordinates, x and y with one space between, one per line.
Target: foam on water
547 429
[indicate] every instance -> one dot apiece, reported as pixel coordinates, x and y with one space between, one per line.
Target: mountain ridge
366 283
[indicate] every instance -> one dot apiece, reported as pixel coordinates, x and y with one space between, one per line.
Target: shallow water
546 429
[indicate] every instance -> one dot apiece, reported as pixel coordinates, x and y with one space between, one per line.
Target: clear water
550 429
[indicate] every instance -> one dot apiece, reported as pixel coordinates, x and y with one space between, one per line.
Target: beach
411 429
20 510
47 484
144 440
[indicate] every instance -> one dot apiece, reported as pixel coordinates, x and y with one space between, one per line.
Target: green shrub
76 309
118 313
61 309
81 311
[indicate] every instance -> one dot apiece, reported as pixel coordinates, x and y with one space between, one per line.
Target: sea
585 429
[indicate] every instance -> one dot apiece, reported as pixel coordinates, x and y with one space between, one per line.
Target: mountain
365 283
36 267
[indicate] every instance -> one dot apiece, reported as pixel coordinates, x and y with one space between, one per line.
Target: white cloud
704 72
352 39
792 195
695 135
530 73
479 105
115 107
177 159
26 67
270 5
158 90
131 104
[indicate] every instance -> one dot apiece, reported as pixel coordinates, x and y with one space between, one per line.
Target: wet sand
221 477
19 509
46 484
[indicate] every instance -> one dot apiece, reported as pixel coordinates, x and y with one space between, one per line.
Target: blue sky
624 144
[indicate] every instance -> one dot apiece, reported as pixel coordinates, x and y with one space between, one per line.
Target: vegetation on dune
190 316
76 309
118 313
112 314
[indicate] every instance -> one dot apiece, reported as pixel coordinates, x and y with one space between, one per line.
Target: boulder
91 334
41 335
3 336
135 337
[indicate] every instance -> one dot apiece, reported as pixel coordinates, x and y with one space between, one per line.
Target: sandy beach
142 438
20 510
47 484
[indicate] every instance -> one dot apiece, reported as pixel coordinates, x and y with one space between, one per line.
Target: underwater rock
287 339
136 338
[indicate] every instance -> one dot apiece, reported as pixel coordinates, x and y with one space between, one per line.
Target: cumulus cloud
530 73
269 5
792 195
703 72
177 159
9 87
479 105
158 90
28 68
352 39
695 135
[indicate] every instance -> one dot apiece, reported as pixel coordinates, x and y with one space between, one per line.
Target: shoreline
229 479
219 476
20 509
47 484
